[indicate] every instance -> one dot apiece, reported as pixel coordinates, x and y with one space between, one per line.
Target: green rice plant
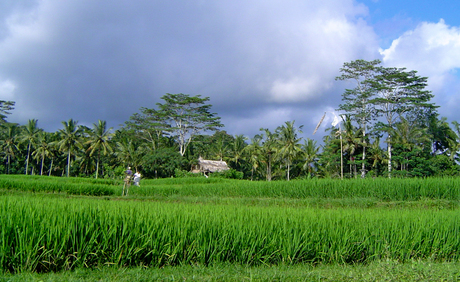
380 189
74 186
43 234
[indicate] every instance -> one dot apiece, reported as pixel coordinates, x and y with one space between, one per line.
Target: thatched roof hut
211 166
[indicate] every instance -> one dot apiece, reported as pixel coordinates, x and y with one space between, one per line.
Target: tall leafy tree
187 116
71 140
289 145
148 125
99 141
401 93
357 101
29 135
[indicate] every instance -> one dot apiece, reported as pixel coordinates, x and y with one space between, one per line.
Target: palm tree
44 148
309 154
254 151
442 134
375 153
85 161
237 149
289 143
269 149
128 154
9 143
30 134
409 138
98 141
219 145
352 139
71 140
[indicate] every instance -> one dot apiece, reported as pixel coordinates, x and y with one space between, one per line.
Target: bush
163 163
179 173
230 174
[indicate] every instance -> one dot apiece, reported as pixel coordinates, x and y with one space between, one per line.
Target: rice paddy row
44 234
381 189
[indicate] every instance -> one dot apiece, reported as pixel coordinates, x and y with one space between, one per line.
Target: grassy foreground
59 229
376 271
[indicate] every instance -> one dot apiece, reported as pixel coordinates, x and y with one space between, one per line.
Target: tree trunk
269 167
51 167
68 164
341 154
288 168
41 168
363 166
27 160
389 156
97 167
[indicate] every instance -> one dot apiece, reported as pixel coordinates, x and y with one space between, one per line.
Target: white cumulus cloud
432 49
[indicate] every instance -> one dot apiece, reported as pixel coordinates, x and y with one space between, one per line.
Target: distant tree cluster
388 127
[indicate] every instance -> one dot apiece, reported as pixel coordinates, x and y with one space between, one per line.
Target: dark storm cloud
260 63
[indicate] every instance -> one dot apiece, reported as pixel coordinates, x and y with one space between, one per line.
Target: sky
261 62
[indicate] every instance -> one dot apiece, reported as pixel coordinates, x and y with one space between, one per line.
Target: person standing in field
127 181
137 178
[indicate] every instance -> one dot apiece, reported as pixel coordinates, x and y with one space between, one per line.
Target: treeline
387 126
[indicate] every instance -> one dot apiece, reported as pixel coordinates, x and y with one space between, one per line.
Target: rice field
56 224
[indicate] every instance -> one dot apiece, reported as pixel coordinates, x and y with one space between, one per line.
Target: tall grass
72 185
379 189
51 234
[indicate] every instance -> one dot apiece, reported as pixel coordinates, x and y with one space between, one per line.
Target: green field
210 228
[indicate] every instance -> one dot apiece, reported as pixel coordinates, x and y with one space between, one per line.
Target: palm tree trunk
51 167
27 160
288 168
68 164
269 167
97 167
41 168
341 154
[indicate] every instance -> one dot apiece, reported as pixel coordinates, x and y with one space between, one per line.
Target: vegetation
60 224
376 271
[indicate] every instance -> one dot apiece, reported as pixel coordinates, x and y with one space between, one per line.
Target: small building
207 166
